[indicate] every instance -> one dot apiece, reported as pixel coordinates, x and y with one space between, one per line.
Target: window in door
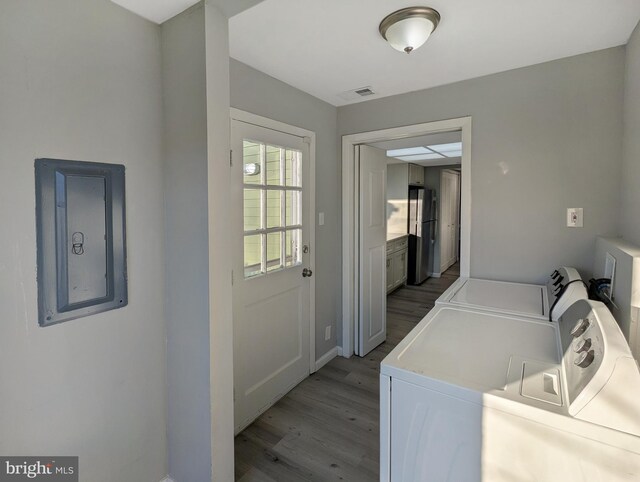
272 208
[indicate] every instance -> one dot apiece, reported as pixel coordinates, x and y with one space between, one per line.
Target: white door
271 273
455 216
373 248
449 199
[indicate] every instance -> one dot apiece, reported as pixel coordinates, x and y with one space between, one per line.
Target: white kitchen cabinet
399 263
416 175
399 178
396 262
390 278
397 198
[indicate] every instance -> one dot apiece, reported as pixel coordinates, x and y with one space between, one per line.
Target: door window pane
252 209
253 255
252 162
274 251
293 241
274 209
293 168
274 165
292 208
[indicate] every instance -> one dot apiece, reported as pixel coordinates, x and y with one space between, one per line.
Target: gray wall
82 80
186 245
630 218
545 138
256 92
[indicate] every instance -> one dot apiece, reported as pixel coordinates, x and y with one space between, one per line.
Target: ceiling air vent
365 91
355 94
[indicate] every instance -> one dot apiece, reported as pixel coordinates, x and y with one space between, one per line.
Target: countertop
394 236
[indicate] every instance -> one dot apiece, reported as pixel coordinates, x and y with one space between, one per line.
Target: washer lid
516 298
469 348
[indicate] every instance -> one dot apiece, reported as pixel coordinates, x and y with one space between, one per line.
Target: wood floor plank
256 475
327 428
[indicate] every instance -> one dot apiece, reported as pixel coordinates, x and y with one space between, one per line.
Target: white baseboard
339 350
167 479
435 275
326 358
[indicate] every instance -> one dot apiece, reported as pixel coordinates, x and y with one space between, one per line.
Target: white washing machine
480 396
563 288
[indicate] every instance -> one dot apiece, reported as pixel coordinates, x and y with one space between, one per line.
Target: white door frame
249 118
350 203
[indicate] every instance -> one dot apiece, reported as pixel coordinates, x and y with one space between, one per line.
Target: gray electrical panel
82 261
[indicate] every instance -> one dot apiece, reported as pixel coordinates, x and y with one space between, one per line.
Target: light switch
321 219
575 218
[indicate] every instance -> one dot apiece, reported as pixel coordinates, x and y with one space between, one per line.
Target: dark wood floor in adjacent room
327 428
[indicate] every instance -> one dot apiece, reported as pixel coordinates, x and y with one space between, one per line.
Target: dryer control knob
580 327
583 345
585 359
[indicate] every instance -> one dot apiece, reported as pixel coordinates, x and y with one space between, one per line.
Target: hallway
327 428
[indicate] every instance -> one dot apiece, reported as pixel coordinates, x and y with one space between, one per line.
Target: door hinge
231 157
306 140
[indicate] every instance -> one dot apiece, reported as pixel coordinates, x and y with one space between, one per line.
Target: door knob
307 273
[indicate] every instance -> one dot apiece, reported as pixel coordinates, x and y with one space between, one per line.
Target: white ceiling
159 11
327 47
156 10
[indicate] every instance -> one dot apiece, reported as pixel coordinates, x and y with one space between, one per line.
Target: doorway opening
426 212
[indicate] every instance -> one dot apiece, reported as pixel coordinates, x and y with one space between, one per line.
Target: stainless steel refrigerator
422 232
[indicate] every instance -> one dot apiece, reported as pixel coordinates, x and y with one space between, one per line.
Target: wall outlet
321 219
575 218
327 333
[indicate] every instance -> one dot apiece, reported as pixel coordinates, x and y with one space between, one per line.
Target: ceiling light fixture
409 28
408 151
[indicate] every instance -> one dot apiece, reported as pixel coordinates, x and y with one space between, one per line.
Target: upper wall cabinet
397 198
416 175
399 177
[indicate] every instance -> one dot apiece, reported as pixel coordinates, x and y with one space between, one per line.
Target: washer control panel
583 348
601 374
564 288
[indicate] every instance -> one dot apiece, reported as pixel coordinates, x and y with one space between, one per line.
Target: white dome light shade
409 28
409 34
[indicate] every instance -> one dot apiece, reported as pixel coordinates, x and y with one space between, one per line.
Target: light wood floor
327 428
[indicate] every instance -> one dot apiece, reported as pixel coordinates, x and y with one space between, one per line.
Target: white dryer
563 288
480 396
